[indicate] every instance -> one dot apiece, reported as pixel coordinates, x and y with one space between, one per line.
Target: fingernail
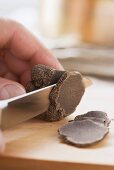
10 90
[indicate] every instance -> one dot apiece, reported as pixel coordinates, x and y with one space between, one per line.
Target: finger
25 77
24 45
21 70
2 146
5 72
10 89
11 76
16 65
3 68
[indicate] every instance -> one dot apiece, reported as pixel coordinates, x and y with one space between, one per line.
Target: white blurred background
26 12
79 32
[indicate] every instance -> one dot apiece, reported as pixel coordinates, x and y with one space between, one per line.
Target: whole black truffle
65 95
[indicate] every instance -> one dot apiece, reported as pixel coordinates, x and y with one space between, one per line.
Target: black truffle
66 94
43 76
30 87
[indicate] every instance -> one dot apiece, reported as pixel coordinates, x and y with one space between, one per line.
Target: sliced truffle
96 116
83 132
65 96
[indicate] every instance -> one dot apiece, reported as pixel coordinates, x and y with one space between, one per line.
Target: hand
19 52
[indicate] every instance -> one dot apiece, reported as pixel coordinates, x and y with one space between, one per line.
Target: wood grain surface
36 145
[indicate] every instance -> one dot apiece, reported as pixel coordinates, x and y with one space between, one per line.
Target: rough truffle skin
43 76
65 96
30 87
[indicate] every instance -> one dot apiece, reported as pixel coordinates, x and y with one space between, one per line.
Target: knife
24 107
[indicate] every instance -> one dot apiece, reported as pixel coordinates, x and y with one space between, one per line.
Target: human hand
19 52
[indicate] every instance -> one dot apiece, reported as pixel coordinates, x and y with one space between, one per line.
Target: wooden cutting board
36 145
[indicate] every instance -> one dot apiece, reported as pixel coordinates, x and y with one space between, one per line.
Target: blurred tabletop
35 144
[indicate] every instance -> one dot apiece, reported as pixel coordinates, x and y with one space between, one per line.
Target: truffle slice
65 96
96 116
83 132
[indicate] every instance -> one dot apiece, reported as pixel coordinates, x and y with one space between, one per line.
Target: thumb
9 89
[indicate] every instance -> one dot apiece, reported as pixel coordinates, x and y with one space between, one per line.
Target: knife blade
24 107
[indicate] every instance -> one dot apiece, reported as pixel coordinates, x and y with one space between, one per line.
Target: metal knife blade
19 109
